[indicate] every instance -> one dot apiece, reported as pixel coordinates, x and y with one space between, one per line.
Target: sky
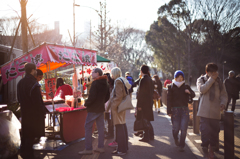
139 14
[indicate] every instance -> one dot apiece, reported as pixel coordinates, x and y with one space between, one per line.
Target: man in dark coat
145 102
98 96
32 109
232 86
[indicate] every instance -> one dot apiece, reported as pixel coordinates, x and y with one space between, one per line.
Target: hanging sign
50 87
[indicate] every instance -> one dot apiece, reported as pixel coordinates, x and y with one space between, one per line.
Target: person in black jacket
98 96
145 102
157 92
232 86
108 115
32 109
177 107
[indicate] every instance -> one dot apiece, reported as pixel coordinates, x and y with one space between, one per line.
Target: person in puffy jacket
98 96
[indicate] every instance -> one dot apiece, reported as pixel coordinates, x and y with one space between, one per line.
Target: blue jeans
209 131
91 117
180 118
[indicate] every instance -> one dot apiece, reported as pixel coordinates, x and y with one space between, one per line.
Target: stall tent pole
75 98
83 79
52 97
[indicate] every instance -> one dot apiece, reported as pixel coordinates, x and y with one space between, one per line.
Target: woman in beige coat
117 95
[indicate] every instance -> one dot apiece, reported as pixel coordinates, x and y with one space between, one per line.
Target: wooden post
196 120
228 135
24 26
83 79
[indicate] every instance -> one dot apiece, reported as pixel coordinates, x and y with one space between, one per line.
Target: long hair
59 82
110 80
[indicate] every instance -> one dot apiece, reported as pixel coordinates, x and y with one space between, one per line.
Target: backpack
130 80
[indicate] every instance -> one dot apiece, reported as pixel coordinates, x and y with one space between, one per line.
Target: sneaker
158 112
100 150
115 152
181 149
85 152
138 133
176 142
143 140
113 144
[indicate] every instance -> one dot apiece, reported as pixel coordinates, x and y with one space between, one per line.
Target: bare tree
40 33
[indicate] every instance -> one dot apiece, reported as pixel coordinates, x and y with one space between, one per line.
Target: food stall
48 57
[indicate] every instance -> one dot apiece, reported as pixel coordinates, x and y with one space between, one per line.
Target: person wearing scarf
212 102
177 107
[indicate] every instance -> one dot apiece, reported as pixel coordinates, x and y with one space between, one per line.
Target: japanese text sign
50 85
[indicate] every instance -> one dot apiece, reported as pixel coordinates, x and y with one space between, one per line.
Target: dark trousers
26 148
180 118
122 137
233 102
149 133
209 131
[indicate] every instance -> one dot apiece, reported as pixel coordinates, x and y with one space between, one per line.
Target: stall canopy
102 59
48 57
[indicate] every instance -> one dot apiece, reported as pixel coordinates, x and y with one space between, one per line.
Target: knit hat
178 73
145 69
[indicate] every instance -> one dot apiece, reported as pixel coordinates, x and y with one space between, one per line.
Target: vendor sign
87 70
50 85
53 55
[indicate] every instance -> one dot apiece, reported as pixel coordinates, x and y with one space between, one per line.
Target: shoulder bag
126 102
141 125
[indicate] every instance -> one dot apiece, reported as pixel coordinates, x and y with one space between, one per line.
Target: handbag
126 102
141 125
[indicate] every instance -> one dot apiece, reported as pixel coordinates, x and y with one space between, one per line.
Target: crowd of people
106 93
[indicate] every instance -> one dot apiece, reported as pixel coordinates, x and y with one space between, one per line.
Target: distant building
8 92
50 36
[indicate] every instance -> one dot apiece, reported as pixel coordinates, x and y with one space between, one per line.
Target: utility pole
179 58
74 40
90 34
24 26
105 26
101 27
74 23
